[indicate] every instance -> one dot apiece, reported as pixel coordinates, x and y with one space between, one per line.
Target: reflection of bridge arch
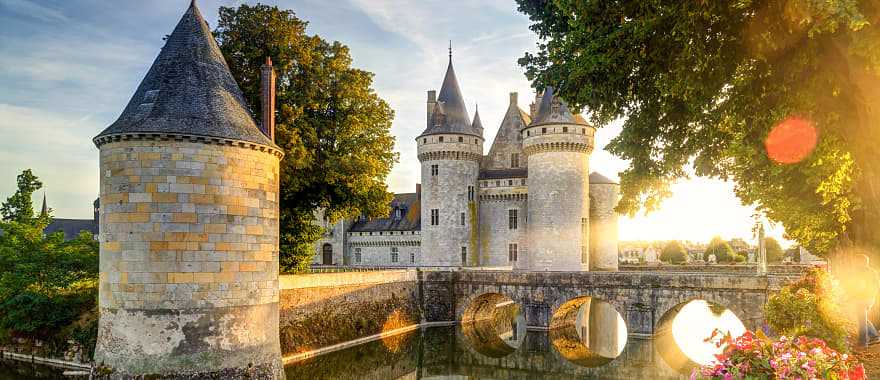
665 343
588 331
493 325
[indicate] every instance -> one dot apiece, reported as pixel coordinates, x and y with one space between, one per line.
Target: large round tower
449 150
557 145
604 194
189 224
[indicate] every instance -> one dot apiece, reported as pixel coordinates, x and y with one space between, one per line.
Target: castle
529 204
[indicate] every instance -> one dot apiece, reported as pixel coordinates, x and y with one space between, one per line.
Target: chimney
432 101
267 98
513 98
419 190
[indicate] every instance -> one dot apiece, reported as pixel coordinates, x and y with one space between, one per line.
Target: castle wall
376 249
447 192
495 232
188 257
335 236
603 226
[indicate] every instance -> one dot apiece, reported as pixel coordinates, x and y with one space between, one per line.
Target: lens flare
791 140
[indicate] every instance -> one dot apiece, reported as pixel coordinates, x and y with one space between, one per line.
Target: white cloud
31 9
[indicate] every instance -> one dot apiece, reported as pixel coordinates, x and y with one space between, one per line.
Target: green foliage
722 251
673 252
702 83
19 207
808 307
332 126
774 251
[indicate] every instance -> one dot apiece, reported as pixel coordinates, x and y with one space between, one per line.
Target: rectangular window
514 160
435 169
460 139
512 219
441 138
564 129
523 182
394 254
357 255
470 193
512 251
585 225
510 182
497 183
435 217
463 255
584 254
412 257
462 219
543 130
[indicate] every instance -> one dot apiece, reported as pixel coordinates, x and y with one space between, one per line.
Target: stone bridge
643 299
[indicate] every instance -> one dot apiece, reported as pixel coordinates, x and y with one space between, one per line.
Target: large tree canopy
703 84
332 126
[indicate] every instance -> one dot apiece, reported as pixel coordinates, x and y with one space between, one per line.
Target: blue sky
68 67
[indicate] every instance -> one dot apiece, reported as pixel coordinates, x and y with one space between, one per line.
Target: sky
68 67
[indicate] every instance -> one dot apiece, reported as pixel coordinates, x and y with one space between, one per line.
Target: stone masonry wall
376 249
495 232
319 310
189 257
603 227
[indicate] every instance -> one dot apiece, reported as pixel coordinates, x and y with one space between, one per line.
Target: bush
755 356
673 252
722 251
807 307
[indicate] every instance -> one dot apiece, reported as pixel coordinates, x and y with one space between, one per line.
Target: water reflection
447 353
588 332
681 336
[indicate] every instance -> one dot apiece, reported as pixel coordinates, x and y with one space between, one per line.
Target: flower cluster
755 356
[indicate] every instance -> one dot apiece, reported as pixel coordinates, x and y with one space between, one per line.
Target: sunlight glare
695 322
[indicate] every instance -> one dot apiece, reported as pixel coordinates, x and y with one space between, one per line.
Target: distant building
72 227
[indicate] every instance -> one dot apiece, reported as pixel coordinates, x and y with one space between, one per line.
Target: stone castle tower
557 147
449 150
189 223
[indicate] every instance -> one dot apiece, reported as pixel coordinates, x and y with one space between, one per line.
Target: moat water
591 343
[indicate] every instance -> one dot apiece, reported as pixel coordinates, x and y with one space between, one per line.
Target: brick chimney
513 98
267 98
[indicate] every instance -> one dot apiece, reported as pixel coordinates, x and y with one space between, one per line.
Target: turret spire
45 210
450 102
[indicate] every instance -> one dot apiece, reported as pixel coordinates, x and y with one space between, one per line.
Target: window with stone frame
585 228
463 255
462 219
514 160
412 257
435 169
357 255
512 249
470 193
584 254
435 217
395 256
512 219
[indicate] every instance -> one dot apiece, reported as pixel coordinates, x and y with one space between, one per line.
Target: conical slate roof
189 91
508 139
455 117
598 179
553 110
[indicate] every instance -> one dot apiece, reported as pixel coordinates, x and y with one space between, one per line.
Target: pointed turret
553 110
455 116
188 92
477 125
506 151
45 210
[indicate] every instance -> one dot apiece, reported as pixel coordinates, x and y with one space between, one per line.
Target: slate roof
450 114
410 220
596 178
504 173
189 90
553 110
71 227
477 125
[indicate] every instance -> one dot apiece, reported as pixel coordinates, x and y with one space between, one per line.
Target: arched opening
588 331
493 325
327 253
681 336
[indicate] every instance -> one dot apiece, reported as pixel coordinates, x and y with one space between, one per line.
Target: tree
19 207
779 96
673 252
774 251
722 251
330 123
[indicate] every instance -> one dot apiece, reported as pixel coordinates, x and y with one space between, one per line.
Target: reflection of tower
558 146
449 150
603 223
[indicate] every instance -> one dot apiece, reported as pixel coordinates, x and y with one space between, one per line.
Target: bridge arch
493 324
685 349
588 331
